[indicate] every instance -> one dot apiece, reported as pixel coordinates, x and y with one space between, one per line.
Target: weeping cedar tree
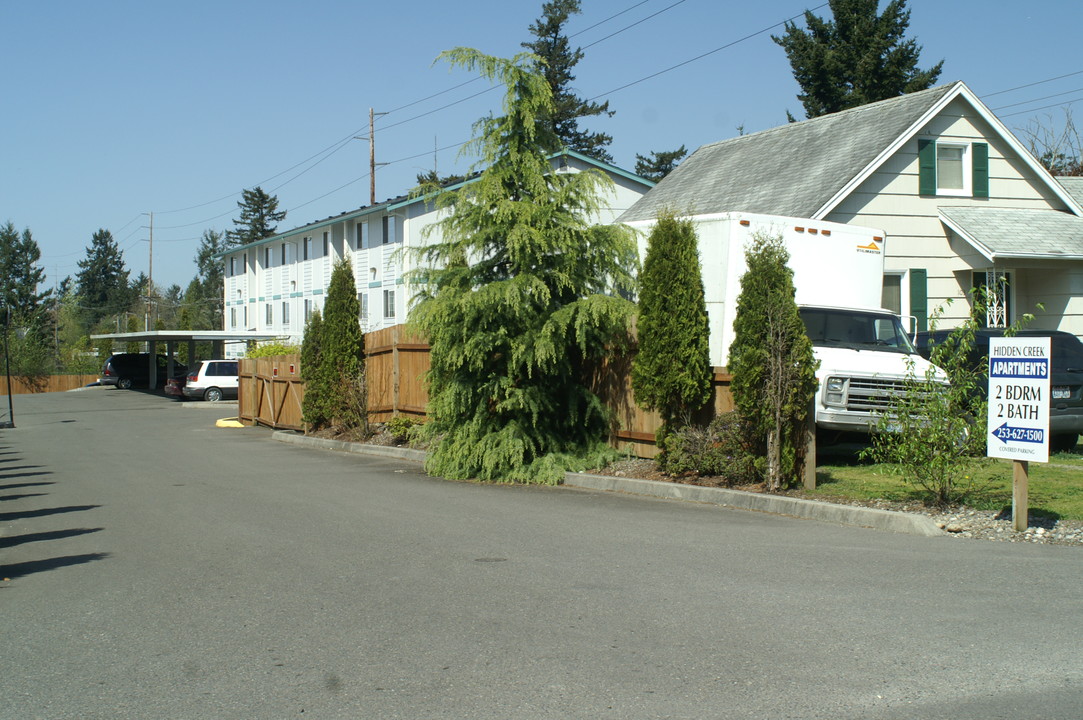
858 58
520 297
671 372
771 361
338 382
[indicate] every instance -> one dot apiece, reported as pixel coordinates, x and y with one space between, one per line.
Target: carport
171 338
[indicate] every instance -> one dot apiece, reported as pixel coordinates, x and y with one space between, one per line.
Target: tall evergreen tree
552 46
340 377
659 164
771 361
209 276
312 405
521 296
102 280
858 57
21 274
259 217
671 372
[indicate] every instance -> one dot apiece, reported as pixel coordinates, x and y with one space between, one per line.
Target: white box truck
863 349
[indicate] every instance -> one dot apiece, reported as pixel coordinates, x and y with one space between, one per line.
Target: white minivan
212 380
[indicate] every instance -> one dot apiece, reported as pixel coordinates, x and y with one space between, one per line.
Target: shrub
271 350
402 428
720 449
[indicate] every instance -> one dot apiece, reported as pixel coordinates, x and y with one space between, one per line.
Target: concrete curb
887 520
400 453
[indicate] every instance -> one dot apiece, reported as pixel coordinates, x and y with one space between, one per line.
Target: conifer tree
20 274
312 411
659 164
102 280
671 372
552 46
771 361
520 297
340 403
857 58
259 215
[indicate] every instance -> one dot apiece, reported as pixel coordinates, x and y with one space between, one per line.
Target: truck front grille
873 395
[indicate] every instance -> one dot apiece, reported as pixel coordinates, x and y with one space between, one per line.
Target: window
308 309
232 265
246 316
325 244
285 312
389 304
997 289
269 315
389 229
283 253
891 297
363 301
244 262
305 243
233 317
361 236
953 168
267 257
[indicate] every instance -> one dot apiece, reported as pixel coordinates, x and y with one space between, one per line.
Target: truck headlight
835 391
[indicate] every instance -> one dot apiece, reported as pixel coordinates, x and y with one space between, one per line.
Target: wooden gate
270 391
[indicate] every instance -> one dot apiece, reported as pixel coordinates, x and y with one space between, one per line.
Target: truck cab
865 359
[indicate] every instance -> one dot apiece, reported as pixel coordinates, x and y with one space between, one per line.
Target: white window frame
389 304
285 313
967 168
269 314
233 318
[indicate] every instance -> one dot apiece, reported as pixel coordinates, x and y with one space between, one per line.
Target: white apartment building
272 286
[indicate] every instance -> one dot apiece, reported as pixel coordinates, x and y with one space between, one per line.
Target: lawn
1055 488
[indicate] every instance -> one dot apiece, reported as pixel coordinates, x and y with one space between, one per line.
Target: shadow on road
12 486
6 542
23 569
43 512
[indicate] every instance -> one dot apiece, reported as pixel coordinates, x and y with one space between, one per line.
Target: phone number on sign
1019 434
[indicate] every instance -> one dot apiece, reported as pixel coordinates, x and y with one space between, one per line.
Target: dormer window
958 169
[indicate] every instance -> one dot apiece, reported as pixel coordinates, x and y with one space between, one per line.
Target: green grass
1055 489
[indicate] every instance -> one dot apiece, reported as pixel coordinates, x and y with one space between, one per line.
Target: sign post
1019 411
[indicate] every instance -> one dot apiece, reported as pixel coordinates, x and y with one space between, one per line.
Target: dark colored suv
128 370
1066 382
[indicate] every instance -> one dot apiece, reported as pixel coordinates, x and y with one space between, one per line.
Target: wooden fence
44 384
271 390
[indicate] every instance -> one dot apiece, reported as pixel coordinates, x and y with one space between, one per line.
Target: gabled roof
1003 233
806 169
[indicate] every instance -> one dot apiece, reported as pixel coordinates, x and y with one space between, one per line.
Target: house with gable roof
273 285
962 201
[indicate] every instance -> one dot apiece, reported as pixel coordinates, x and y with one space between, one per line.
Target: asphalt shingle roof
1014 232
1074 186
792 170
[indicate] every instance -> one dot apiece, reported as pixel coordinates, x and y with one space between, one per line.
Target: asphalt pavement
158 566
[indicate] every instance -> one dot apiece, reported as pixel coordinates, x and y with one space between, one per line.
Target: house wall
916 239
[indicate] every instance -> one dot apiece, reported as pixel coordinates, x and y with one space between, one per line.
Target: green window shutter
980 170
926 167
919 297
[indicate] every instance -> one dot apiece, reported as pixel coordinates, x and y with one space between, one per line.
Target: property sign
1019 399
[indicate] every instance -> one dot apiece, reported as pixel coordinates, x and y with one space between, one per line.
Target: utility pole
150 275
372 154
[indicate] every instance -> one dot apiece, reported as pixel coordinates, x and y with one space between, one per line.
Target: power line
1043 107
1033 100
1037 82
709 52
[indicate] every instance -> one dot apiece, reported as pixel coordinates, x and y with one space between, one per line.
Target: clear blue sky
113 109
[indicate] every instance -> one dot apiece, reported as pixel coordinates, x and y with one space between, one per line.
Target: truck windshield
855 329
